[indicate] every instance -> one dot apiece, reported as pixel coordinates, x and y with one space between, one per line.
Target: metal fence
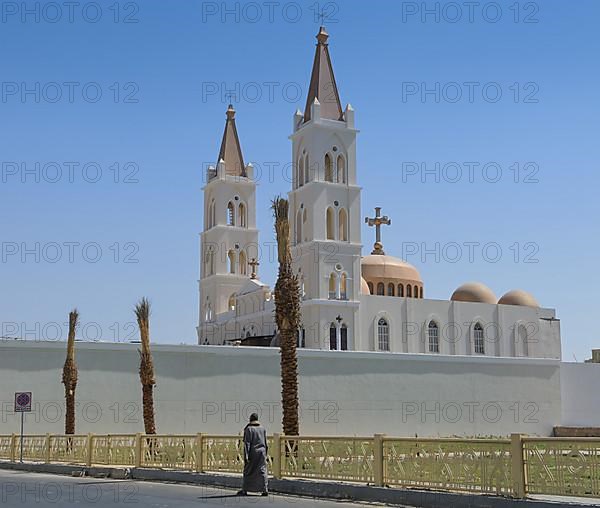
509 467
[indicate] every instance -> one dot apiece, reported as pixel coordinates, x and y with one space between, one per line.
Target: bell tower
230 238
325 210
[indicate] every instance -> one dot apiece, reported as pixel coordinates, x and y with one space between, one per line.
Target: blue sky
69 239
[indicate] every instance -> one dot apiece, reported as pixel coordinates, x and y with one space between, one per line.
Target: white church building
351 301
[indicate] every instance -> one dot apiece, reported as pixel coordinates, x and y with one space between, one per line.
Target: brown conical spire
322 83
231 151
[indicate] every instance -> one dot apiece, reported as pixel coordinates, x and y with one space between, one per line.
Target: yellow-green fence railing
512 467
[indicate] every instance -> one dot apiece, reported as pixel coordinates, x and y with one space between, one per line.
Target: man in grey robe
255 458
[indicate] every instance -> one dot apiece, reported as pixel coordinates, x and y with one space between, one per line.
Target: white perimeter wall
580 387
214 389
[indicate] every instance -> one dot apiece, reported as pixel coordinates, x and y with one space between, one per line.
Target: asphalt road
28 490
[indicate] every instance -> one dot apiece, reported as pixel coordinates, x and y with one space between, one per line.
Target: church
375 302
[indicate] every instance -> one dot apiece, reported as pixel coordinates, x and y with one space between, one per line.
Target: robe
255 458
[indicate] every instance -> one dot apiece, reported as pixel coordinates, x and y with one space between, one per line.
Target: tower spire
322 82
231 151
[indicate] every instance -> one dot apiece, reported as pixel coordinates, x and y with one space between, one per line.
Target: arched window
231 261
304 219
242 215
416 292
390 289
301 172
211 214
400 290
341 169
383 335
210 262
328 169
299 227
231 303
208 310
306 170
332 286
230 214
243 263
332 337
302 337
380 288
343 286
421 292
207 262
478 339
344 338
433 336
330 224
302 285
408 291
370 284
343 225
522 341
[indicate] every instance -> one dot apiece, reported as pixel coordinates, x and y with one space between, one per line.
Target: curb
302 488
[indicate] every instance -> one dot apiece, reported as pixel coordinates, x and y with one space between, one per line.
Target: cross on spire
253 263
322 16
229 96
378 221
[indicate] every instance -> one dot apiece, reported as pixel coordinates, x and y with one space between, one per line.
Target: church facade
375 302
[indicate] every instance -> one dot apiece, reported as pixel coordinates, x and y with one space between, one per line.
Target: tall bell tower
325 210
229 240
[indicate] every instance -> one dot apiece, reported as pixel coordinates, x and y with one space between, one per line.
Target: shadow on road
223 496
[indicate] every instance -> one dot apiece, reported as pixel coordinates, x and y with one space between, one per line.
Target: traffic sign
23 402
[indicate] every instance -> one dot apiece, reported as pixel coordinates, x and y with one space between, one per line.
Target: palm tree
142 313
287 317
69 376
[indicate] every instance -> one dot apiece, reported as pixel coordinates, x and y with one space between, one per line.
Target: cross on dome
378 221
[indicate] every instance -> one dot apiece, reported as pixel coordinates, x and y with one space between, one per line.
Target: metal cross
322 16
229 96
253 263
378 221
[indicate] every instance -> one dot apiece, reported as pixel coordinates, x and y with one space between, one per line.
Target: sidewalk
316 488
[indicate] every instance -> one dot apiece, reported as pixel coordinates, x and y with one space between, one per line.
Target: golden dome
518 297
364 287
474 292
378 266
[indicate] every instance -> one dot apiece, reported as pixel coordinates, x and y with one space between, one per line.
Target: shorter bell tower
229 240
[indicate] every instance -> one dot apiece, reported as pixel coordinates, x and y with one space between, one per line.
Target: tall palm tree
287 317
69 376
142 313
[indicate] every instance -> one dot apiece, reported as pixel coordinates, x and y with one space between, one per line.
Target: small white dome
364 287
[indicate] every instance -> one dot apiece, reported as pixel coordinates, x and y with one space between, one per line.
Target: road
19 489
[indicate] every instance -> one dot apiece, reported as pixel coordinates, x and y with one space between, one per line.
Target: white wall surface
214 389
580 383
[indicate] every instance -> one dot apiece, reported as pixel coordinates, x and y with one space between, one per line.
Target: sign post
22 405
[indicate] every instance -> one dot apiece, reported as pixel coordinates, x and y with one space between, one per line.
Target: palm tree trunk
148 404
69 376
142 312
287 317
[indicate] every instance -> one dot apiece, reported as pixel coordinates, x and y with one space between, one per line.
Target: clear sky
116 113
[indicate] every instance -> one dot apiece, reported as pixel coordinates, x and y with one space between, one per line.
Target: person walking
255 458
